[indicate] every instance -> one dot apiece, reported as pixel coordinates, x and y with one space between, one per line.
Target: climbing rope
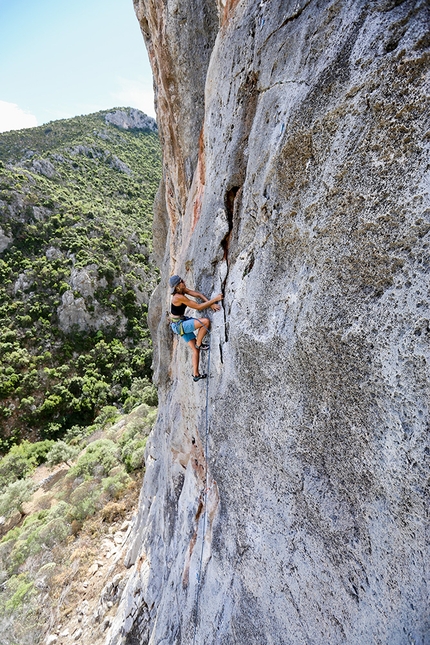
205 491
205 495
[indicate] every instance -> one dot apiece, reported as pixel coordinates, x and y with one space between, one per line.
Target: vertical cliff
295 137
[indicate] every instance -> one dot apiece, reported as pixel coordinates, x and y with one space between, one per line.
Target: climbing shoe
200 376
202 346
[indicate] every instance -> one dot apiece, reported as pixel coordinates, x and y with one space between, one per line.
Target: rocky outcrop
5 240
131 119
301 518
74 313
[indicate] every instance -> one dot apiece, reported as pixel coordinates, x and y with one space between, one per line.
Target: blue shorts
188 327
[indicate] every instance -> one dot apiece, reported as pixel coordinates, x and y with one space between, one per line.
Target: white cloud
136 94
12 117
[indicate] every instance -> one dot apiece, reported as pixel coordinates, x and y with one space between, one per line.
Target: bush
150 395
42 530
132 454
60 453
18 587
53 533
75 434
14 496
59 510
38 451
21 460
108 415
12 467
141 391
83 501
98 459
113 511
116 483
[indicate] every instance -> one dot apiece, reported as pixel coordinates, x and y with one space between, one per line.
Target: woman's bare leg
194 357
203 325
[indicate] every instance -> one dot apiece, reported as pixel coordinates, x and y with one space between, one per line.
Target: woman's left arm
196 294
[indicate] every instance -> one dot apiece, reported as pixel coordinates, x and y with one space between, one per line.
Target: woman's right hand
217 298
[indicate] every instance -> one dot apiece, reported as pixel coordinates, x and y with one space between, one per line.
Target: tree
61 453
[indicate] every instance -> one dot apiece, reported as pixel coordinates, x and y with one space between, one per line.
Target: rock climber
185 326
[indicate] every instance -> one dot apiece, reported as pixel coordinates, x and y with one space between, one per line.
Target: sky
63 58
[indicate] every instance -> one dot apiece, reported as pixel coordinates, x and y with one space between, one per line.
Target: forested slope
75 270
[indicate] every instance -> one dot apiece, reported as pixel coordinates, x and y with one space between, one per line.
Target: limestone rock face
5 240
72 313
291 509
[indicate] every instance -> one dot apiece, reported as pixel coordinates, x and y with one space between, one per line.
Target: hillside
63 530
75 270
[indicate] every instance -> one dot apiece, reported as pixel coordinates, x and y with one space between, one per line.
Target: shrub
151 418
42 530
75 434
141 391
113 511
116 483
52 533
150 395
60 453
21 461
98 459
50 405
59 510
19 587
33 519
6 546
14 496
83 501
12 467
36 452
132 454
133 440
38 531
108 415
76 526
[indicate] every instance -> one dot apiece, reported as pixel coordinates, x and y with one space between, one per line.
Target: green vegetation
108 463
22 460
61 453
75 274
14 495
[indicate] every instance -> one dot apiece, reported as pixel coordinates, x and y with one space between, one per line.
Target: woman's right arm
200 306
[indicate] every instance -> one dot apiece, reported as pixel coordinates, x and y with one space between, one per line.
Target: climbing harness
178 322
205 495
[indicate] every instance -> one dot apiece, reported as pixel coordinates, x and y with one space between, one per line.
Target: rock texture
5 240
73 312
296 180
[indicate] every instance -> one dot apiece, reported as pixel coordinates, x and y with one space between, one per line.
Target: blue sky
62 58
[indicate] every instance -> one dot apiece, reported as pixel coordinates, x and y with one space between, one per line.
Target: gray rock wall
309 208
